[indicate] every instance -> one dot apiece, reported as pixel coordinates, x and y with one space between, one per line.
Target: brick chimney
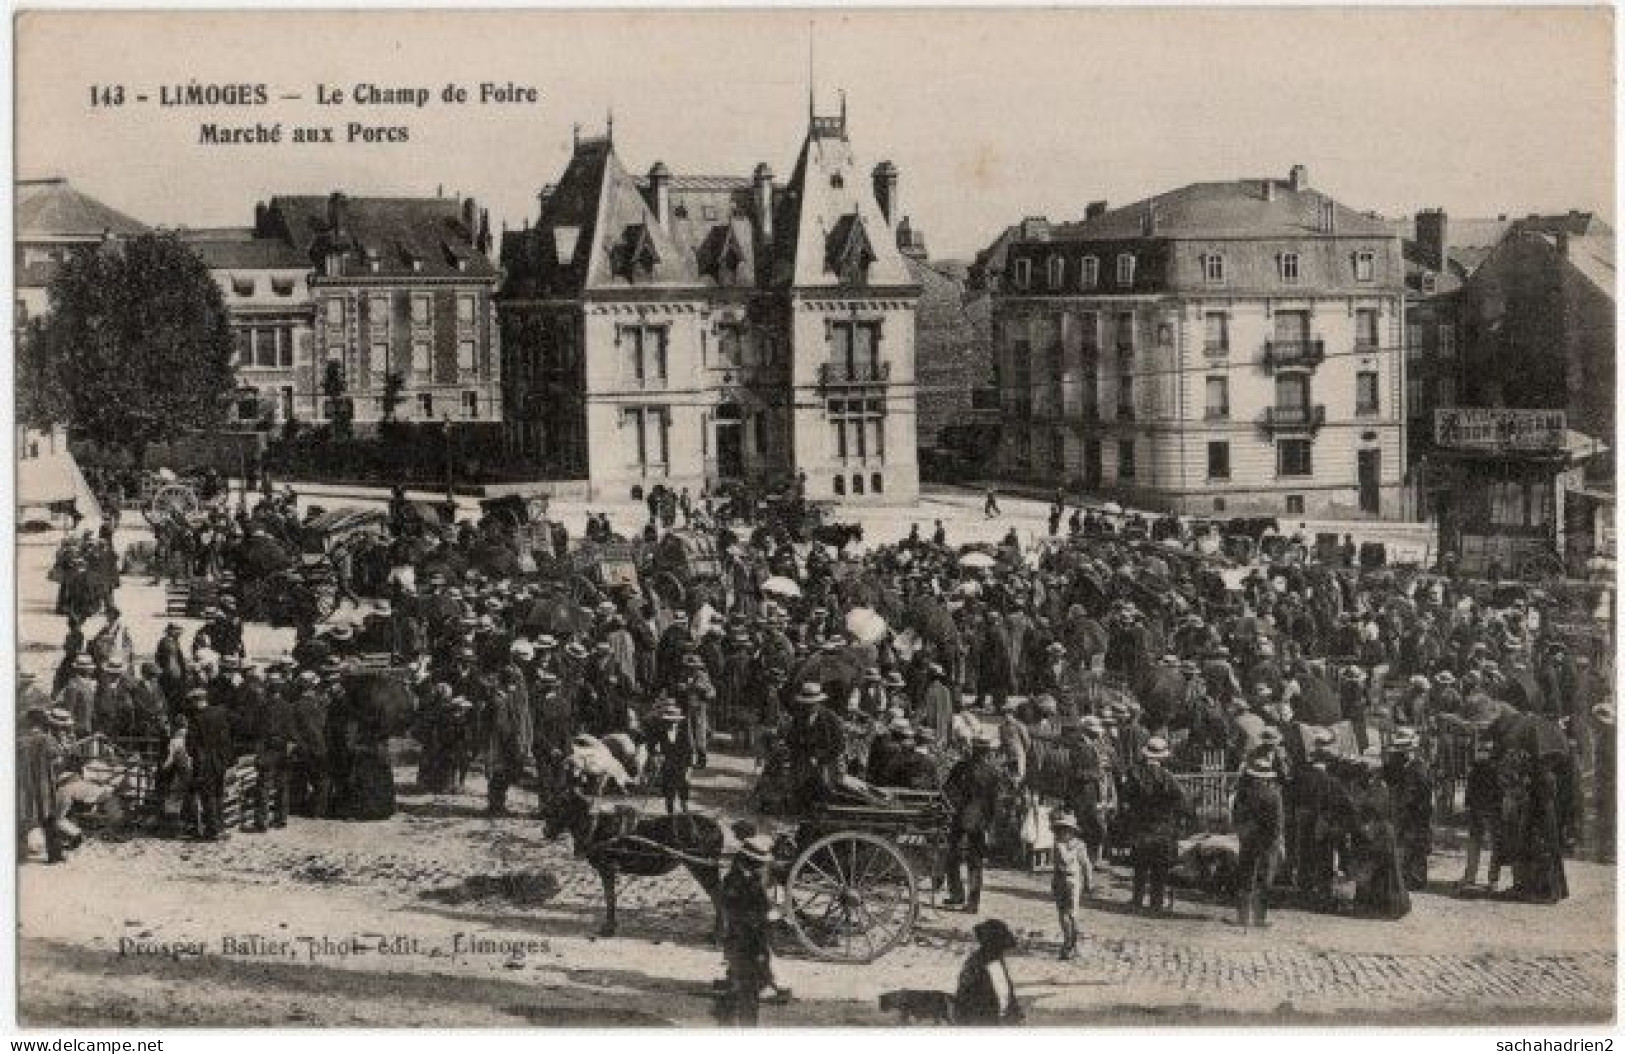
1433 238
1093 209
1035 229
660 192
1298 178
471 217
885 181
1267 189
762 199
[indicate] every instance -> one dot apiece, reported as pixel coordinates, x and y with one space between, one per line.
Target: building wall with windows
1224 348
730 329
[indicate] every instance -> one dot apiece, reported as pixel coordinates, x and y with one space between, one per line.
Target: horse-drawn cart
853 891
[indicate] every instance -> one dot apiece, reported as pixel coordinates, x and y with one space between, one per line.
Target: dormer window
282 286
242 286
1024 274
1430 282
1125 269
638 253
1057 272
1288 265
837 181
1089 276
1213 269
848 251
1365 266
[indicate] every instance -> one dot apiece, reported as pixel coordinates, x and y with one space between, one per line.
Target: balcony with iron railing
1294 418
837 373
1293 354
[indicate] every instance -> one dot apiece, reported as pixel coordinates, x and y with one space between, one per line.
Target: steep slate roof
826 188
51 209
1233 208
580 242
396 230
225 249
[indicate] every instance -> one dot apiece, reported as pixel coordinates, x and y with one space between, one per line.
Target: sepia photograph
1088 517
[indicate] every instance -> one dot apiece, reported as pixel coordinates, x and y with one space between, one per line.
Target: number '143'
107 95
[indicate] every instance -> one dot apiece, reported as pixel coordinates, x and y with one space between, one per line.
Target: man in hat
1603 776
115 703
509 738
78 696
1483 805
310 783
1411 786
38 762
972 792
209 743
1260 828
271 724
816 742
747 913
1312 798
1153 805
672 744
885 751
696 695
937 705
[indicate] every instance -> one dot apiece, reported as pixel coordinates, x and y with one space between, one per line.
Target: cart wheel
853 897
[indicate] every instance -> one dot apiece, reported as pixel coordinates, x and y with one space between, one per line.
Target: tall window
1089 330
649 436
466 303
1365 266
1125 269
731 345
1292 458
1218 398
645 350
1125 397
1125 331
1365 327
1292 392
1213 268
1365 392
858 429
1288 263
422 309
422 361
471 404
378 312
425 405
1024 273
1057 272
264 347
1090 274
1216 333
855 348
1292 328
1218 460
1125 459
467 358
333 311
379 361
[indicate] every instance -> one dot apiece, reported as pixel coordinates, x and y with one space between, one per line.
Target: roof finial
843 112
575 136
609 126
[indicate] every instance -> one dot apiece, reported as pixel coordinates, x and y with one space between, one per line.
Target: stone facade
1226 348
696 330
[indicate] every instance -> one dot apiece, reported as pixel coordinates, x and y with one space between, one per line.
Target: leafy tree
137 348
339 407
394 385
41 400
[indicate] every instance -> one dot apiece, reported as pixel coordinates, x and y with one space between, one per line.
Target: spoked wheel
853 897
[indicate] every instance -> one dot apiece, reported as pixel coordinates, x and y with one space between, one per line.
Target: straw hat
1063 820
59 717
758 848
1155 749
811 692
1402 739
1261 768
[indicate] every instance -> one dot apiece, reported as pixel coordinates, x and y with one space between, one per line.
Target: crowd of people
1098 673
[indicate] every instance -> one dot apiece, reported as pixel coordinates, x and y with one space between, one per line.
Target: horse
623 842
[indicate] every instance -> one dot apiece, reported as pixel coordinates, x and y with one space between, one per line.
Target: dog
917 1004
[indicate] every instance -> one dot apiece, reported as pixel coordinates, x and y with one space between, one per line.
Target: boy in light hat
1072 878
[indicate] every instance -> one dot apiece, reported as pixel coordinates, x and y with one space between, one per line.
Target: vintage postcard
815 517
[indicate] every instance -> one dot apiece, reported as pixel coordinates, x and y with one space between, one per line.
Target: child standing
1073 878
